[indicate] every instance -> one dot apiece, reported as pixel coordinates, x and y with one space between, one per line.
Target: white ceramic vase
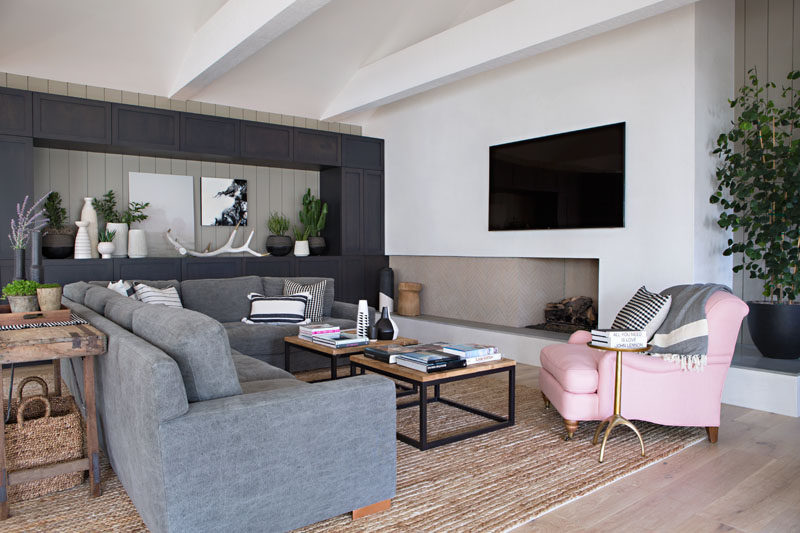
362 319
83 245
88 214
137 244
394 325
120 238
106 249
300 248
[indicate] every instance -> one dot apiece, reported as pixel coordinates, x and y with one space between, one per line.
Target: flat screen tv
569 180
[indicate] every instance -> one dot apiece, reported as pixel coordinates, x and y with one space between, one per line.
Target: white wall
437 148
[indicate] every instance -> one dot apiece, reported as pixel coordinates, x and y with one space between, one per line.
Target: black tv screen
568 180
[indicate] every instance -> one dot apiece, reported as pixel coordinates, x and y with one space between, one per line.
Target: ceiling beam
514 31
235 32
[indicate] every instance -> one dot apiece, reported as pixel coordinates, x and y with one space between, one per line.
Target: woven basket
44 430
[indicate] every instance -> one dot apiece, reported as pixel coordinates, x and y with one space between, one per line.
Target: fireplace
569 315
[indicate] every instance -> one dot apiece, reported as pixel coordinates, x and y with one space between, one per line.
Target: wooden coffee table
422 380
333 353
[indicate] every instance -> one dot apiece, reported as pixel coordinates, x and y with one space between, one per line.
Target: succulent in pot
278 244
58 237
313 217
21 296
300 241
105 242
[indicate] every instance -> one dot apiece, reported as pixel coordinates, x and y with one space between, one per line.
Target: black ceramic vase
316 245
773 328
279 245
385 326
19 264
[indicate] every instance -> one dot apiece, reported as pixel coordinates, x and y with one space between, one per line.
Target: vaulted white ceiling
324 59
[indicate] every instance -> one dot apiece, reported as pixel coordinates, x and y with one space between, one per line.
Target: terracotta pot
23 304
49 298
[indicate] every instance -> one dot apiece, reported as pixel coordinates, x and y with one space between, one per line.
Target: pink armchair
579 381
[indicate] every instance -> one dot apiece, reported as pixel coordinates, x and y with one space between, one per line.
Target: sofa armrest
580 337
303 453
347 311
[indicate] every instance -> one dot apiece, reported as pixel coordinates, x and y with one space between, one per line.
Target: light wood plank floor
748 481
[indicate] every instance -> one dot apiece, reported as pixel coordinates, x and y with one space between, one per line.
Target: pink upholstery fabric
652 389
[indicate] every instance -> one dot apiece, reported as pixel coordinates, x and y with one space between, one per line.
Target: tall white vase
120 238
137 244
83 245
362 319
88 214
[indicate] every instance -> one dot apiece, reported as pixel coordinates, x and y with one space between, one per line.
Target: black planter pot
19 263
774 328
58 245
316 245
279 245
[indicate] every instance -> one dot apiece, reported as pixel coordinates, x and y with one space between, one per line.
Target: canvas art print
223 201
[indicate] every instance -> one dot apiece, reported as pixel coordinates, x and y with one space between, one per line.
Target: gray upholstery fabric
274 287
222 299
121 311
251 369
197 343
328 448
97 298
272 384
157 283
76 291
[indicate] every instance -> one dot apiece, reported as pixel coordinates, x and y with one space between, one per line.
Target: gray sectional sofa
206 438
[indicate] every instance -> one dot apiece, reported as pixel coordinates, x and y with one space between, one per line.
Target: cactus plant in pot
313 216
759 191
278 244
21 296
58 237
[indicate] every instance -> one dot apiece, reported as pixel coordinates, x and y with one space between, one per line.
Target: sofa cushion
277 309
272 384
222 299
251 369
120 311
152 295
197 343
157 283
97 297
574 366
77 291
274 287
315 293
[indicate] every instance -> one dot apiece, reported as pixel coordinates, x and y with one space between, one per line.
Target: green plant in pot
21 296
278 244
119 221
759 191
105 242
300 241
313 216
58 237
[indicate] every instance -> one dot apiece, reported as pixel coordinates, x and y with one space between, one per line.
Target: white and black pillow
125 288
317 292
151 295
277 309
646 311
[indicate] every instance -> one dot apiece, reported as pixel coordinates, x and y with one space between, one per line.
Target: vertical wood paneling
41 172
130 163
96 174
78 179
287 197
59 180
147 164
276 191
756 30
114 174
194 169
256 213
739 44
779 47
163 166
209 233
237 172
796 37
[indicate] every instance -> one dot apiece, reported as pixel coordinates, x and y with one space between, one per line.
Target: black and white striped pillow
125 288
646 311
317 292
151 295
277 309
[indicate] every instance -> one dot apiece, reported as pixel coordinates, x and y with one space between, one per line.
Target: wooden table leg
57 377
91 425
3 472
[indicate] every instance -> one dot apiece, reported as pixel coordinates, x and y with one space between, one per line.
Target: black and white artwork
223 201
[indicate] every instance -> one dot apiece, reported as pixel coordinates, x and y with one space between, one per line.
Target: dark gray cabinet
355 207
266 142
362 152
16 181
203 134
78 120
65 271
15 112
145 128
317 147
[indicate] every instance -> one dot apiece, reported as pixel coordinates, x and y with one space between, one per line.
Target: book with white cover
619 338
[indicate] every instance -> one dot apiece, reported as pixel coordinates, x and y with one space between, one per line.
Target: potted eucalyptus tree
759 191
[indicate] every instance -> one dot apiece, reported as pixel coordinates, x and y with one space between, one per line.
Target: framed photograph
223 201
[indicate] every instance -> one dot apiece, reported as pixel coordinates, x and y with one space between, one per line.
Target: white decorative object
83 245
171 199
362 319
394 326
300 248
106 249
88 214
137 244
120 238
226 248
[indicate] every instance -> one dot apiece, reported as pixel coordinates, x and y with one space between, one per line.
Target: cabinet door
372 223
317 147
204 134
279 267
362 152
64 118
144 128
148 268
266 141
65 271
16 180
351 211
352 286
15 112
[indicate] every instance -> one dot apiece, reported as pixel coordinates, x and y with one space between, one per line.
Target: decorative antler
226 248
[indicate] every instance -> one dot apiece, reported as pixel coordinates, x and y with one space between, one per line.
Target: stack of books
310 331
619 338
430 361
388 353
474 353
340 340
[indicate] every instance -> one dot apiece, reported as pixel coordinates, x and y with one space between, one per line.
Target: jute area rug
492 482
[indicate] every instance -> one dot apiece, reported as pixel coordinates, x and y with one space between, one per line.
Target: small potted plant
120 221
49 296
21 296
58 239
278 244
105 244
27 221
313 216
300 241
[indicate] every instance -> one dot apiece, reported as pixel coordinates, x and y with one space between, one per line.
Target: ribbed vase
88 214
83 245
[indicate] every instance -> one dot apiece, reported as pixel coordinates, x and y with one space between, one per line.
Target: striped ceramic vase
83 245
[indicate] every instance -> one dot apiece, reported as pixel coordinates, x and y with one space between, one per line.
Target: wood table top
297 341
53 342
417 375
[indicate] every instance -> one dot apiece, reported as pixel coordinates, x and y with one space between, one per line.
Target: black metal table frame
287 358
423 443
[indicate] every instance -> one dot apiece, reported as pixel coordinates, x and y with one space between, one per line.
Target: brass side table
616 419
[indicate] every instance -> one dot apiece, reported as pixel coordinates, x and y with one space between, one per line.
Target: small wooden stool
408 298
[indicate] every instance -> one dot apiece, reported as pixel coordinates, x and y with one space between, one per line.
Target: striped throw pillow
125 288
151 295
277 309
317 292
644 312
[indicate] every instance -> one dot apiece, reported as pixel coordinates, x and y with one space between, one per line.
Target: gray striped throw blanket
683 336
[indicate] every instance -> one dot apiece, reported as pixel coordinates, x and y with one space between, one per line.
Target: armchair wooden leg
572 427
546 401
372 509
713 433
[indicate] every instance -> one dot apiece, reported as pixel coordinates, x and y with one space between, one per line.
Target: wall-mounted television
563 181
